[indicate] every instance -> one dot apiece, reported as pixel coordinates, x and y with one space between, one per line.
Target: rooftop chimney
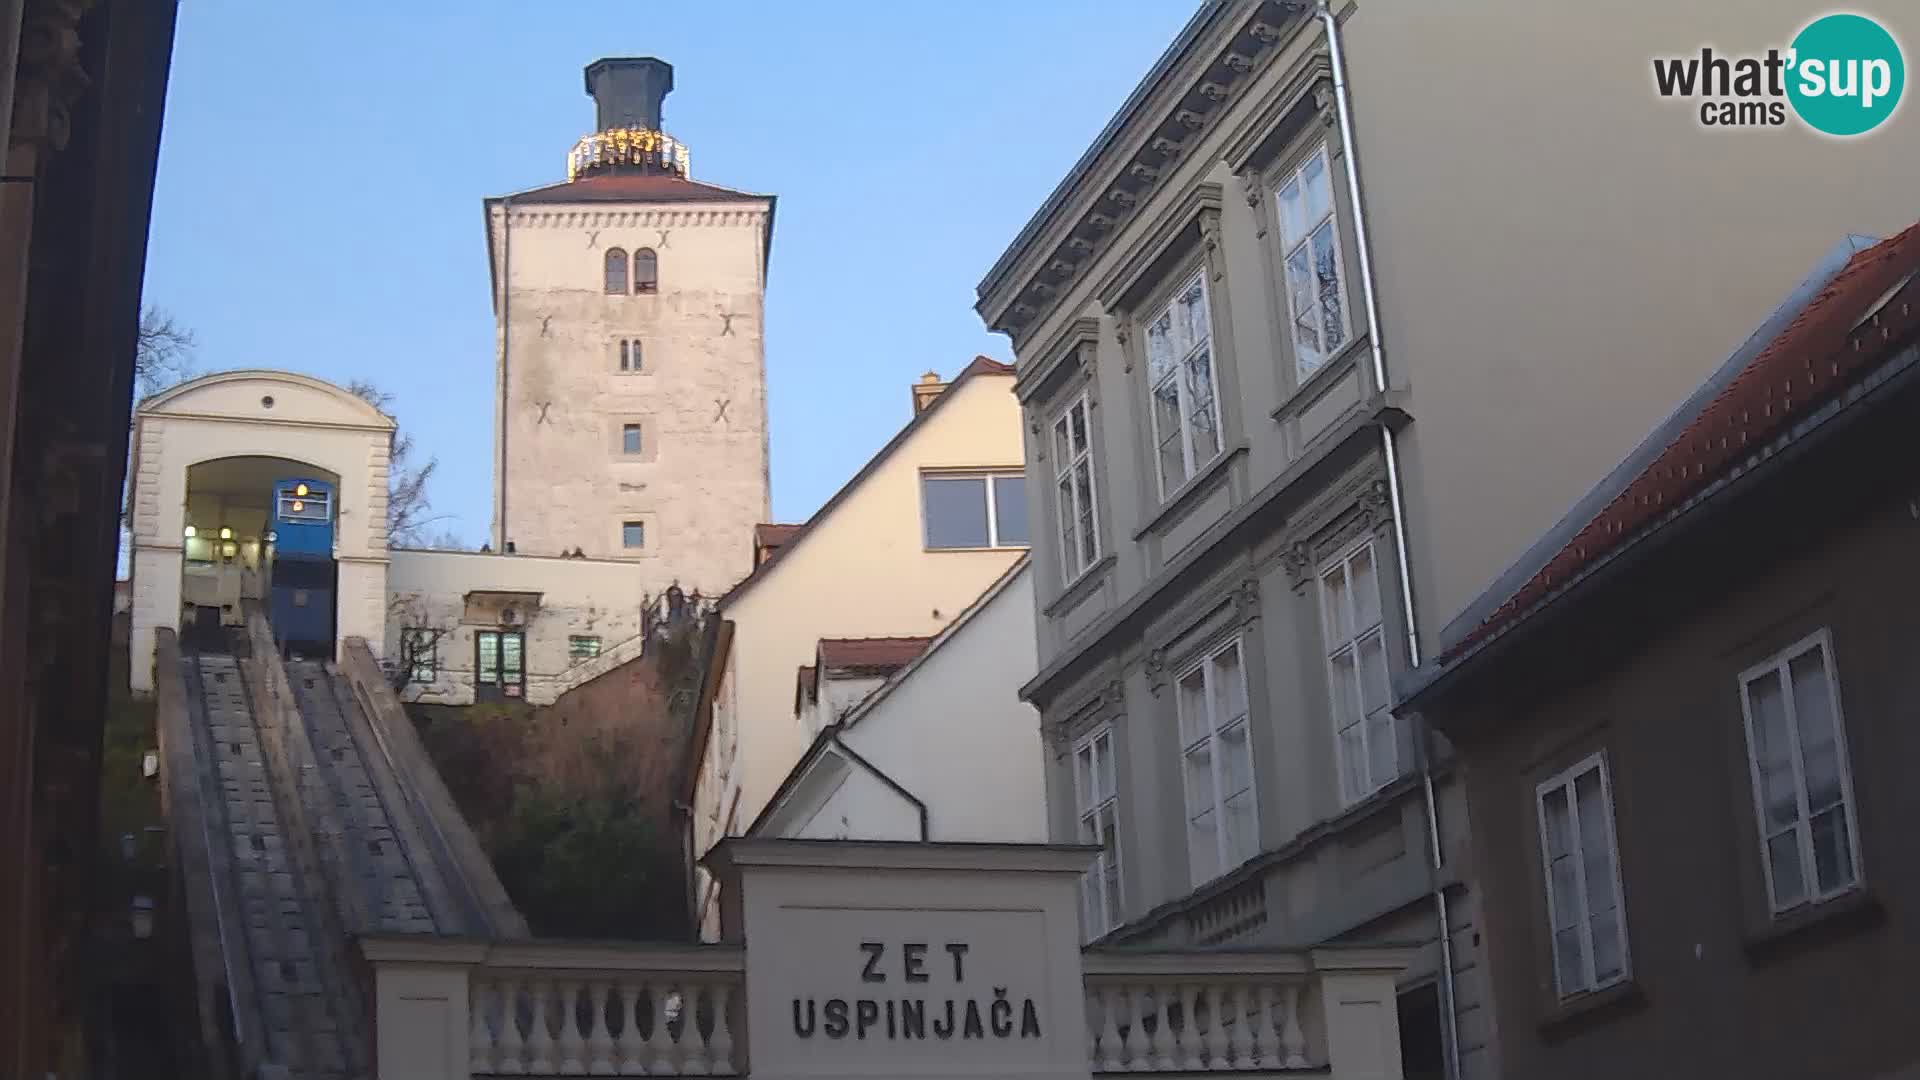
925 391
628 92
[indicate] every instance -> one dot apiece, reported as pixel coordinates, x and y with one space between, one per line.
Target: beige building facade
1342 309
630 413
900 551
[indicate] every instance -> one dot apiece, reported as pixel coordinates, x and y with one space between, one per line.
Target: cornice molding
1198 212
1138 159
1077 344
615 219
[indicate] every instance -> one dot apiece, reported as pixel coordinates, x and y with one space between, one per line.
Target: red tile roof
633 187
1803 366
768 539
870 654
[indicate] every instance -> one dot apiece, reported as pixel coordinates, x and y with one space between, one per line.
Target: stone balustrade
474 1009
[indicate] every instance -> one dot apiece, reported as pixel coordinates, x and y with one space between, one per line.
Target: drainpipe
506 340
1391 451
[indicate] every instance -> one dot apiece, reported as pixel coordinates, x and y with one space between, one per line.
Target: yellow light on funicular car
298 506
300 489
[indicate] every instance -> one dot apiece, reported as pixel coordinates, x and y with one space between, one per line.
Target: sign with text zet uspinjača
899 972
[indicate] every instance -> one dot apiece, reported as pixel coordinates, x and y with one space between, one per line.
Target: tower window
617 271
646 271
633 535
629 354
630 438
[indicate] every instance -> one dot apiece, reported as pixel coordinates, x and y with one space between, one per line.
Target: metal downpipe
1391 451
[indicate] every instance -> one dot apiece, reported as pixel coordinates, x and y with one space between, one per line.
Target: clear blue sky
322 167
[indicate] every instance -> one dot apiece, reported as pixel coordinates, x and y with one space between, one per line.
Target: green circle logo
1846 74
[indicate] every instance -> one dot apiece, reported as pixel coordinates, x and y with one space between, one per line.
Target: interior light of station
226 533
189 532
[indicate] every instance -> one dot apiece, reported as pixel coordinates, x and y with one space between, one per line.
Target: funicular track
306 815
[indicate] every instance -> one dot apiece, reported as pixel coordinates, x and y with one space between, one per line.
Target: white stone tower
630 415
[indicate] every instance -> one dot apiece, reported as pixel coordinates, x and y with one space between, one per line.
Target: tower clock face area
632 412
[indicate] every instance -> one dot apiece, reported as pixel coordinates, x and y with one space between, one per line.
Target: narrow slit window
630 438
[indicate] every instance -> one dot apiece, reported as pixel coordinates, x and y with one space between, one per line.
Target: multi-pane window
1581 860
1358 683
1073 489
633 534
1315 285
1186 409
582 647
630 438
499 664
629 354
975 510
646 271
616 267
421 648
1802 786
1099 805
1217 764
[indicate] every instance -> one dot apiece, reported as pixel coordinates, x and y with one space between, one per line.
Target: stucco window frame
1201 662
1108 803
1185 242
1779 662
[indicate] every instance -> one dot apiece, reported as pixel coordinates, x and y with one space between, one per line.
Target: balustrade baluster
600 1044
1265 1039
1293 1041
693 1058
1109 1033
660 1038
512 1059
540 1035
479 1038
1190 1027
721 1044
1163 1050
633 1047
1217 1055
572 1045
1240 1035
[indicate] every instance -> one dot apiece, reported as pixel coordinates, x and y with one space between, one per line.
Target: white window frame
1068 513
1206 663
1092 806
1781 663
1344 563
1564 780
1190 461
1290 244
987 478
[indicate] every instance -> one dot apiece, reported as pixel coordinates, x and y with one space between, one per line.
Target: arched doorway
233 551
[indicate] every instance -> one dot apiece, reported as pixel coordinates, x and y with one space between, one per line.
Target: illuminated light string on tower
628 146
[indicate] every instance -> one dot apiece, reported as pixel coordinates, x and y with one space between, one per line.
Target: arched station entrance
237 511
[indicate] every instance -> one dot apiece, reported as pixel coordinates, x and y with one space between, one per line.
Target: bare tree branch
407 502
162 352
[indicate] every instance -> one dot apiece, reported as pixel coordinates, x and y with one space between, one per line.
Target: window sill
1000 548
1330 371
1813 924
1570 1016
1188 493
1082 584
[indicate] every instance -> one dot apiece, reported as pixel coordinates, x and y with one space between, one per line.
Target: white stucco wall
586 597
700 483
950 729
862 571
228 415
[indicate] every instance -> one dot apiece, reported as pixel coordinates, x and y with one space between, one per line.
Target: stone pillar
420 1014
1361 1017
